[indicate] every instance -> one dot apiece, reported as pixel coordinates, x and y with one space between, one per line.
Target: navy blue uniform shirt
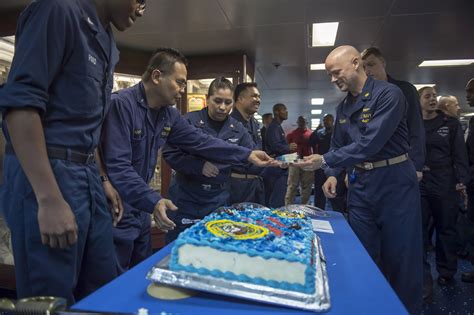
253 128
416 131
371 127
445 147
190 166
276 143
132 135
320 140
470 145
66 75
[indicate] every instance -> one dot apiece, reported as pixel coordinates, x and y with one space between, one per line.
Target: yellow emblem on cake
236 230
292 214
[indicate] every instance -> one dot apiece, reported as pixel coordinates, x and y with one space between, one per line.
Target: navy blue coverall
470 153
276 179
246 183
132 135
446 165
383 203
194 194
63 67
320 140
416 130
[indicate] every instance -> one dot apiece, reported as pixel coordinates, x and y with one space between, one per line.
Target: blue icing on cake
267 247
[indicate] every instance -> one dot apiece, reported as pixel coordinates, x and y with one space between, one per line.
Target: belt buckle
368 166
206 187
90 158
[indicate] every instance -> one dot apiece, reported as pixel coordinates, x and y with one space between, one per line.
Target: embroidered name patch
443 131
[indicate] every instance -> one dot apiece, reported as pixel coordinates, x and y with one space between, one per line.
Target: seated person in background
200 186
449 105
297 176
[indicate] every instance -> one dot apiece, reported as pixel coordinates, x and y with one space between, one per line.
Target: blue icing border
271 246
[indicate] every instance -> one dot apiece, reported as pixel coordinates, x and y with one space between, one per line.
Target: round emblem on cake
236 230
292 214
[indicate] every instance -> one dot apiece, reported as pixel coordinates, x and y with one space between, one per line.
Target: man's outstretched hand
310 162
260 158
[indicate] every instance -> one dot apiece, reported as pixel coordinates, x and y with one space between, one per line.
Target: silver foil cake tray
319 301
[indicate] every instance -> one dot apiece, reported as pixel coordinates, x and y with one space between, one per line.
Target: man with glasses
53 104
141 120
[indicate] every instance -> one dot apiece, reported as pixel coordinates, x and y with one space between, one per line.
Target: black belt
61 154
427 168
185 181
367 166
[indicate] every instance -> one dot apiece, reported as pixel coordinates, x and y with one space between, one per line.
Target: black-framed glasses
182 83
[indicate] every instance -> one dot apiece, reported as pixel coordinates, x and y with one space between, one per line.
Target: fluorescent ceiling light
468 115
317 66
315 122
446 63
317 101
419 86
316 112
324 34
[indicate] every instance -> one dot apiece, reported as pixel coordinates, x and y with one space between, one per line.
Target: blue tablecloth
355 284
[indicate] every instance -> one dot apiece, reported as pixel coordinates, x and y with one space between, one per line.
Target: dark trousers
73 272
469 233
443 208
340 202
275 180
385 214
132 239
246 190
194 203
440 203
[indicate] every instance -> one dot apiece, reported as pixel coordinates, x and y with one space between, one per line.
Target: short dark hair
242 87
371 51
266 116
163 59
277 107
328 116
219 83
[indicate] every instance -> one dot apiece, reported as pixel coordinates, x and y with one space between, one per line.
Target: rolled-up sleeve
44 33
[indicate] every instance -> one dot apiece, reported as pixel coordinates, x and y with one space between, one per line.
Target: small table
356 285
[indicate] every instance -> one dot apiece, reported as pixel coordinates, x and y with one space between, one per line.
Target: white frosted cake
267 247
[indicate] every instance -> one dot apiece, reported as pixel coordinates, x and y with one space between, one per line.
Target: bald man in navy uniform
371 141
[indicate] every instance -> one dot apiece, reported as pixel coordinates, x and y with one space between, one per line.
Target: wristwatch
324 165
104 178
